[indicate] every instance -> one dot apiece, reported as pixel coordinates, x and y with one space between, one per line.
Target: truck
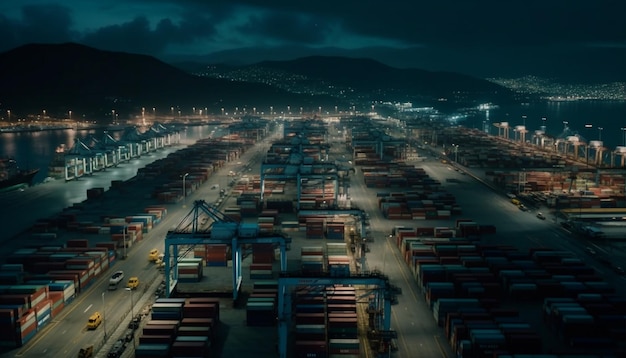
153 255
132 283
115 280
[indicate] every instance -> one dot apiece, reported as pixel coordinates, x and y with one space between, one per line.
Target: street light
600 133
124 237
624 135
587 127
132 312
456 152
184 190
104 314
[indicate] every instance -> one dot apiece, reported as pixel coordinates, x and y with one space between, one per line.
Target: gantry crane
384 292
206 225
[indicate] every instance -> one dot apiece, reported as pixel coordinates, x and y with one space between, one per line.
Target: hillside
69 76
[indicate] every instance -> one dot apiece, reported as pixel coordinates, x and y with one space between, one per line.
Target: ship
12 177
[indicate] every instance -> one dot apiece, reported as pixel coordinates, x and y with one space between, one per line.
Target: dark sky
483 38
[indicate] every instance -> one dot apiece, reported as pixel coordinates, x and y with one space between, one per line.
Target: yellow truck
94 321
133 282
153 255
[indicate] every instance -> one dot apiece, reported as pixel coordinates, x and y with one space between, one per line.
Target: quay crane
206 225
384 293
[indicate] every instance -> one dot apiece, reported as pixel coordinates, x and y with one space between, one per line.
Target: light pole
184 191
600 133
587 127
124 237
132 304
623 135
104 315
456 152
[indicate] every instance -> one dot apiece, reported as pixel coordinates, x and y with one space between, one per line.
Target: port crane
206 225
382 302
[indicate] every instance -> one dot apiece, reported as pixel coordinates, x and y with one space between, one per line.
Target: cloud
37 24
454 33
287 28
137 36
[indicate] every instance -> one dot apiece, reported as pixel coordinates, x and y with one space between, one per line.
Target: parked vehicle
541 216
117 349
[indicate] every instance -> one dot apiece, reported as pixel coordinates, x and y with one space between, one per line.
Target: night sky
583 40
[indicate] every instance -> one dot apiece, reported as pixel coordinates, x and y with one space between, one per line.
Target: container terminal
329 237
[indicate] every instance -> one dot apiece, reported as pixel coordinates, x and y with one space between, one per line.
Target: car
134 323
128 335
522 207
94 320
619 270
541 216
115 279
133 282
117 349
153 255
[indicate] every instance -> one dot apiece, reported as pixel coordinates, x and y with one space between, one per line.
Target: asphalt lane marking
87 309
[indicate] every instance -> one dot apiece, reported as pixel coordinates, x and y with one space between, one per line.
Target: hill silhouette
69 76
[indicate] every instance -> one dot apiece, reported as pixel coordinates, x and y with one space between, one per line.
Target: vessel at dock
12 177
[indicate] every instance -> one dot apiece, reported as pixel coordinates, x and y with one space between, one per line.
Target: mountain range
69 76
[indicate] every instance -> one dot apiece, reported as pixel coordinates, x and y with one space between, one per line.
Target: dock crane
384 292
206 225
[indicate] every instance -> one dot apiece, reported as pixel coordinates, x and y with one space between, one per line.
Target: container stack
267 219
460 276
338 262
342 322
263 300
262 253
261 305
587 321
335 231
189 269
24 307
314 228
310 324
313 261
180 327
217 255
326 322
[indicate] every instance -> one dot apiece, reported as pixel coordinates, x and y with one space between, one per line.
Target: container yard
438 248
